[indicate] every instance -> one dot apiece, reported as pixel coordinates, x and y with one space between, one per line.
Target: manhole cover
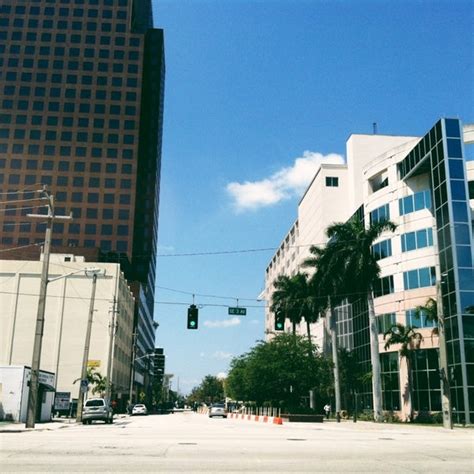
296 439
386 439
187 444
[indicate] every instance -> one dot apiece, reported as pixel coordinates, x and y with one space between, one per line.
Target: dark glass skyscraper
81 96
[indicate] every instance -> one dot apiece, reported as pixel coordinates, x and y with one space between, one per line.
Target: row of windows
90 213
59 228
34 10
65 151
56 78
418 319
119 54
49 165
65 11
107 245
63 38
72 65
414 318
71 107
91 198
77 181
419 278
54 120
55 92
66 136
417 240
64 25
408 204
415 202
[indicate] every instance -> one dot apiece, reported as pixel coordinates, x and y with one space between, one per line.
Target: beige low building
67 309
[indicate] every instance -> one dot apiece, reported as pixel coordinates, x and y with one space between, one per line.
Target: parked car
217 409
97 409
139 409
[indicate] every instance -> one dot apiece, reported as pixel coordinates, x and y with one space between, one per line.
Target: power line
22 247
22 191
13 209
23 200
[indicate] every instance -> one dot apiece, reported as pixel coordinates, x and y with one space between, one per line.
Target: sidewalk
55 424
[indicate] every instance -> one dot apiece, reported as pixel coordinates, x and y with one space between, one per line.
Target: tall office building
81 85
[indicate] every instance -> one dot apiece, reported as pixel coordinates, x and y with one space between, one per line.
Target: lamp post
85 358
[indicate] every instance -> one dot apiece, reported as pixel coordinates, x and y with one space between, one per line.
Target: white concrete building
67 309
421 184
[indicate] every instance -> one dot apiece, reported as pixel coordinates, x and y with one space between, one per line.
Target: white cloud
254 321
284 184
224 323
221 375
222 355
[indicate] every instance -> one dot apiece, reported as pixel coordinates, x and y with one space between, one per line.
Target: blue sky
257 94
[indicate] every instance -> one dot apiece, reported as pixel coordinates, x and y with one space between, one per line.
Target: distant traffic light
279 321
192 317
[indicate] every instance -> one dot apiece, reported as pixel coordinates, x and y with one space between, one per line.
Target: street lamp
83 385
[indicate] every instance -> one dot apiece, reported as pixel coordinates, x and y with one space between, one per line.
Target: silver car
218 409
97 409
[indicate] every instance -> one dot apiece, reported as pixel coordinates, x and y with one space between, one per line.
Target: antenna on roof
374 126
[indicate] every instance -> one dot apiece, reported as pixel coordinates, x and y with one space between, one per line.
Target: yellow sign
93 363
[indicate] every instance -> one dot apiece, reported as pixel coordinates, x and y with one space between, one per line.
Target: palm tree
98 381
430 312
327 289
350 250
292 297
409 341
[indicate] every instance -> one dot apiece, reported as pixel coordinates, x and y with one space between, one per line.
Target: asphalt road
192 443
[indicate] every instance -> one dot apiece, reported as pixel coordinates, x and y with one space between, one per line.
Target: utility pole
39 329
80 399
112 331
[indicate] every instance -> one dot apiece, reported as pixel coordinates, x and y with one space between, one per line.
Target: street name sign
238 311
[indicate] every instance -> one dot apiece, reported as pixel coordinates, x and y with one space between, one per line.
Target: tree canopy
279 372
210 390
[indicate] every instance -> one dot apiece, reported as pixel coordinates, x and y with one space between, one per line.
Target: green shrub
426 417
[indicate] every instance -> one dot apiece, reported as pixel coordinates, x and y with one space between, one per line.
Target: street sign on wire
238 311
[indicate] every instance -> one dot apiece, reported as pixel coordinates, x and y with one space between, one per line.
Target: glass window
108 214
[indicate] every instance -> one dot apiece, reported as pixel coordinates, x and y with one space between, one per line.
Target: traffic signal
279 321
192 317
